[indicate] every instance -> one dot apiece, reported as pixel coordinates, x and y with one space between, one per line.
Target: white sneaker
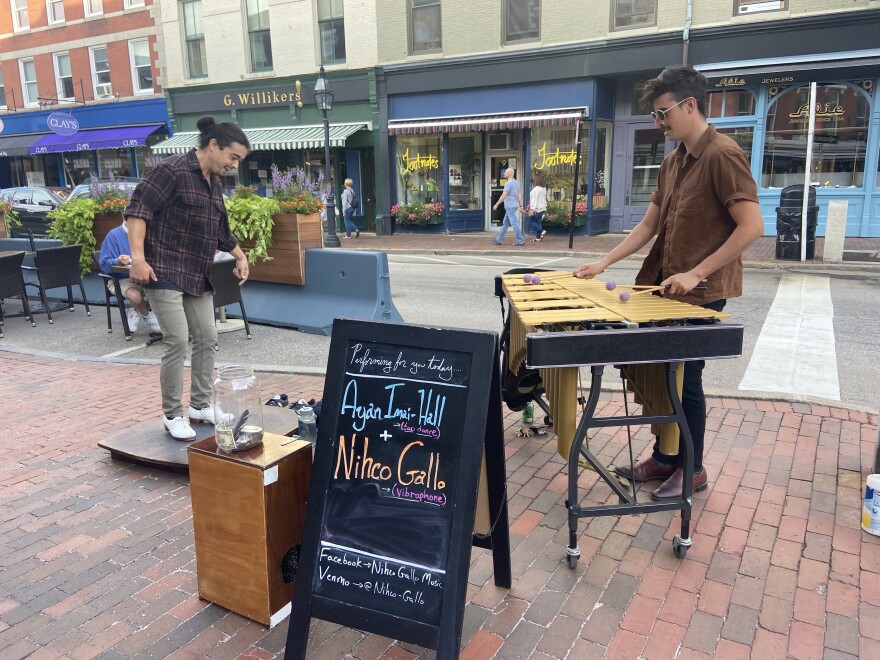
206 414
134 320
179 428
153 322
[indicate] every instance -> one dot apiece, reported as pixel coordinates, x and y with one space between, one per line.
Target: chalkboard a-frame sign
387 538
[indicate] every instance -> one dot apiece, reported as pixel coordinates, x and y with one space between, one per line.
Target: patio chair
112 282
227 290
57 267
12 284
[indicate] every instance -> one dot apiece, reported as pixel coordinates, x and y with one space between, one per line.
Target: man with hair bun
704 213
176 223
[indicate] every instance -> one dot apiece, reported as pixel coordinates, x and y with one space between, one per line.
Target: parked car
84 189
33 206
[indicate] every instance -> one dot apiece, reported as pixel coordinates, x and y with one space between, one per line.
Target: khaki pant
181 316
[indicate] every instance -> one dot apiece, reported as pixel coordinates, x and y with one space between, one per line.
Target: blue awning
90 140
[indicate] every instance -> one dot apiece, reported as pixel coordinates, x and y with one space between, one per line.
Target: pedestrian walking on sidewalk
537 208
348 207
512 200
176 222
704 213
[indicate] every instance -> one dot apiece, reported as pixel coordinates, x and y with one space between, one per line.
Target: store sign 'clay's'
62 124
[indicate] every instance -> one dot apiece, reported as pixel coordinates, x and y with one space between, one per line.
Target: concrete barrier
835 231
339 283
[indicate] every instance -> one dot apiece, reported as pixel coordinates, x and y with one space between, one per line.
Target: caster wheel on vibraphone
680 546
572 556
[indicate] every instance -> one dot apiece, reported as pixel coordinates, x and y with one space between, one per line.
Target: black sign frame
431 628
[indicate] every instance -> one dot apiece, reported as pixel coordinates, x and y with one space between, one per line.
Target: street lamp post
324 101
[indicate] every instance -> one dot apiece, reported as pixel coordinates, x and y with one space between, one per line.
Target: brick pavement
97 556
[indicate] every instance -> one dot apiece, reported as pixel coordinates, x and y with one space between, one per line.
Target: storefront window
839 141
146 160
419 177
78 167
554 150
465 172
743 136
602 178
730 103
113 162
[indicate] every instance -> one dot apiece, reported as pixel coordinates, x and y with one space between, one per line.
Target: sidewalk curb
779 265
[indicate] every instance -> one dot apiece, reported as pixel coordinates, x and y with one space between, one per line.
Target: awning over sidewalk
118 137
17 145
268 139
495 122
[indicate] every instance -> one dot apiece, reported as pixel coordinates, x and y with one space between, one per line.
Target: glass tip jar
238 410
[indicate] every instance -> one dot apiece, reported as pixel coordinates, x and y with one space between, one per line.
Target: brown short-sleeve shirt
694 193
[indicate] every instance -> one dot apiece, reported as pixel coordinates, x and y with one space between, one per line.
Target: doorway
645 149
498 163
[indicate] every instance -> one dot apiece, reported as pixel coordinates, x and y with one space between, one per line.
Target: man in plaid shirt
176 222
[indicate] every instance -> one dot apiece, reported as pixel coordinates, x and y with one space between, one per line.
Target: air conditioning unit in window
499 141
104 90
761 6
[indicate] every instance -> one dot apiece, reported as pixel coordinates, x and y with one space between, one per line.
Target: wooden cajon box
248 512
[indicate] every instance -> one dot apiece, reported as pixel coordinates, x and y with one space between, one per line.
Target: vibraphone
565 323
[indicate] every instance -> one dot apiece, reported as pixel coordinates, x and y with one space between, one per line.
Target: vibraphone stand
628 503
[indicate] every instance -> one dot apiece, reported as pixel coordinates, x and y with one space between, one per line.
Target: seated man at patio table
116 250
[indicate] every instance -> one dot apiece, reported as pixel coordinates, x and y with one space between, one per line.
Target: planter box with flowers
559 215
274 233
88 220
418 214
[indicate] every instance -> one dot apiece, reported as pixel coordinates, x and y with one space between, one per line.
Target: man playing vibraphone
704 213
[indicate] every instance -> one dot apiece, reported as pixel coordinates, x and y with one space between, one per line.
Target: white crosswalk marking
795 351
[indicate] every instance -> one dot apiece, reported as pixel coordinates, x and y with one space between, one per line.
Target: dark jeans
349 223
693 400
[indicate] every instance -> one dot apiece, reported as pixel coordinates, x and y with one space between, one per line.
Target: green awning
268 139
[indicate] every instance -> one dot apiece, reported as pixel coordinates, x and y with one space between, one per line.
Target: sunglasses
661 114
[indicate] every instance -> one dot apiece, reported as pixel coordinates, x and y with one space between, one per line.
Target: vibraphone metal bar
564 323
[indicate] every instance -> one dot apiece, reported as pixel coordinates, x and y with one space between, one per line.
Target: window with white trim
28 82
63 77
425 28
259 41
55 11
331 28
100 71
194 36
747 7
2 91
633 14
522 20
133 3
20 20
93 7
141 71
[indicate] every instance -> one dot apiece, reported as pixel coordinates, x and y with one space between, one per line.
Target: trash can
789 227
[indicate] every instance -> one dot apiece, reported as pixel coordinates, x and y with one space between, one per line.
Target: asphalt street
457 291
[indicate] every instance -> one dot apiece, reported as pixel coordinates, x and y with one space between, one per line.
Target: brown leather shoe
647 470
672 488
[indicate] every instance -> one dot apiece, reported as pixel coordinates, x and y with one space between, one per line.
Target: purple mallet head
536 279
624 296
611 285
527 278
